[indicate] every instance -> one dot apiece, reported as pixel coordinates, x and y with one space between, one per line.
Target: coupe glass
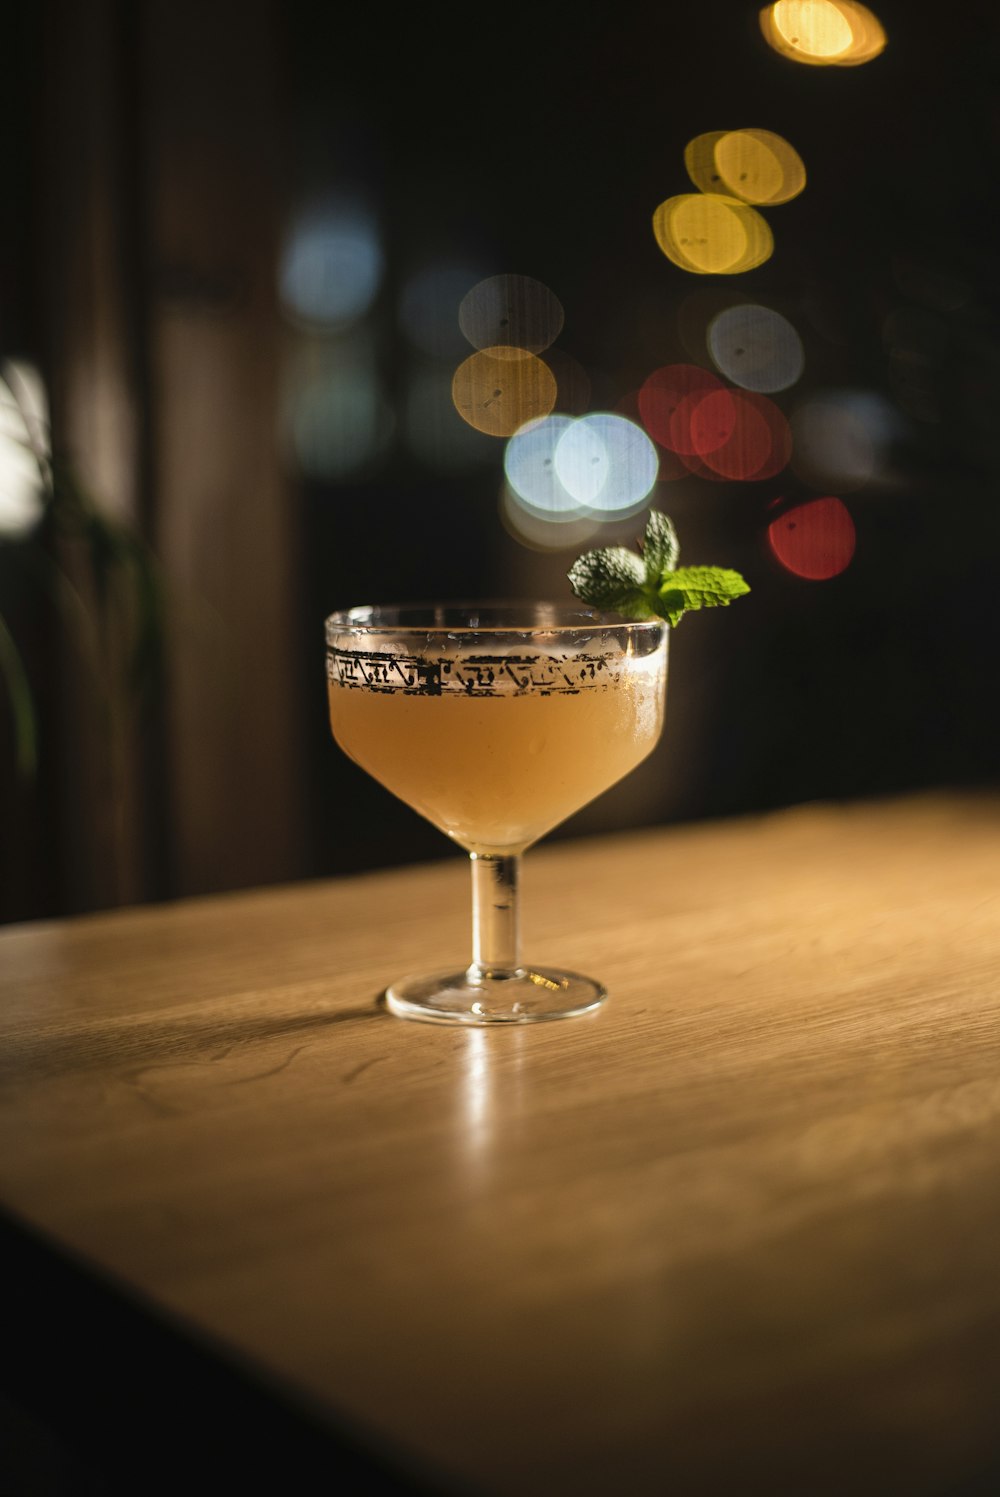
495 721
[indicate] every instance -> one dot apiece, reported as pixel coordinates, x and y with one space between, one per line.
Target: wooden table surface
738 1231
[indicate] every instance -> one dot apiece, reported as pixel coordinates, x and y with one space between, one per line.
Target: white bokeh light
332 263
756 348
530 466
607 463
538 532
514 311
843 438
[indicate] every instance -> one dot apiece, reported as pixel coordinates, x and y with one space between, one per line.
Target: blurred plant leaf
125 641
124 572
22 704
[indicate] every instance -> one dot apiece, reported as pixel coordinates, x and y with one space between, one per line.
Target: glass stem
496 937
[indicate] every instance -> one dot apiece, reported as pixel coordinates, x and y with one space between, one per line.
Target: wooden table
739 1231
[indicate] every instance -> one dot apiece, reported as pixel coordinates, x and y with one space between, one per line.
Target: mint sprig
697 587
651 585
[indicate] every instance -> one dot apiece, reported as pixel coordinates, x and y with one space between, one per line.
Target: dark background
538 141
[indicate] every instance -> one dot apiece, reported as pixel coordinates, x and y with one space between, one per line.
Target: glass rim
523 616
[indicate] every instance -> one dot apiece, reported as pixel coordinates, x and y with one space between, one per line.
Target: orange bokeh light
498 389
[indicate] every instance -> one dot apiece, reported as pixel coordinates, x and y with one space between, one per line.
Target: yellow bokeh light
759 166
823 33
699 161
869 34
818 28
711 234
499 388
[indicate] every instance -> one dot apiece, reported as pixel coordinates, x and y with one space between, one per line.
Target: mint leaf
611 580
698 587
616 580
660 546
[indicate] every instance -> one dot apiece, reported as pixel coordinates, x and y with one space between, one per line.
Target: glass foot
525 997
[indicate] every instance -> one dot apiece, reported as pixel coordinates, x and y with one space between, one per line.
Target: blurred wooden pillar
225 521
91 330
160 230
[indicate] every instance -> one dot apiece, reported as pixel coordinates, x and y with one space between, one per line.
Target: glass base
525 997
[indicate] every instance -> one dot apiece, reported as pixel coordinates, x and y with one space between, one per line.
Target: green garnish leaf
660 546
612 580
617 580
698 587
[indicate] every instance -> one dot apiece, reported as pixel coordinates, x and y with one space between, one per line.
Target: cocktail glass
495 721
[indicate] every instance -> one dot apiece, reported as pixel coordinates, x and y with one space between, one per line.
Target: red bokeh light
667 400
741 435
713 423
672 465
706 421
816 539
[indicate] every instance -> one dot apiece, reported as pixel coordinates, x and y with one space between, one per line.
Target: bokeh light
530 466
666 400
671 466
816 28
823 33
756 348
24 443
740 435
428 305
842 438
699 161
759 166
869 33
331 263
337 417
815 540
511 312
499 389
545 532
698 309
710 430
607 463
711 233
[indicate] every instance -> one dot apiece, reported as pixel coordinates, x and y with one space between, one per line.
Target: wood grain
736 1232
